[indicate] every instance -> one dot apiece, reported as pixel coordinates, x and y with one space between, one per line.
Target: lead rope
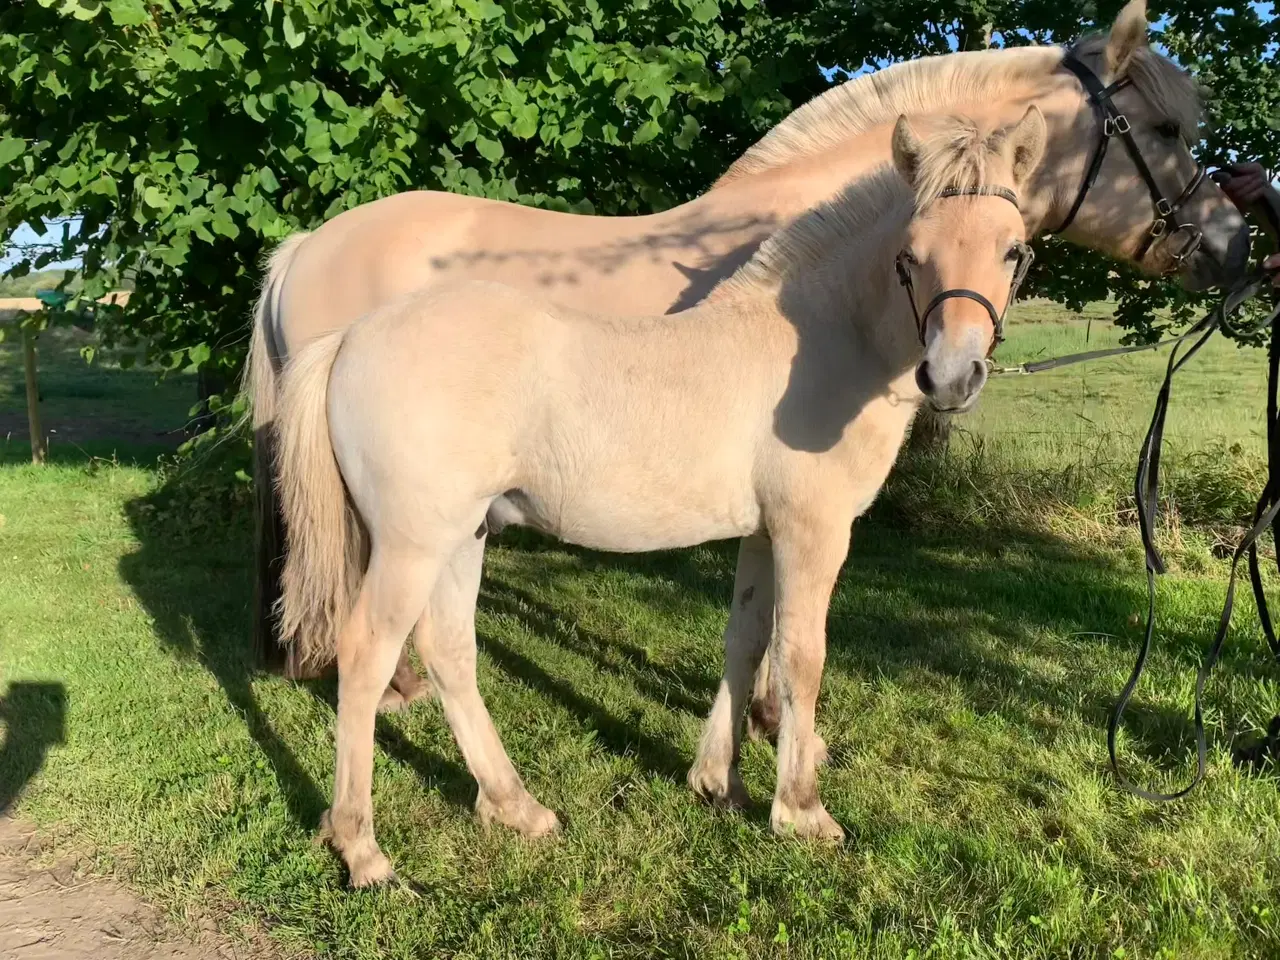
1147 495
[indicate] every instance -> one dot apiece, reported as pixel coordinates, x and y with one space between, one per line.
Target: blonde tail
324 539
258 392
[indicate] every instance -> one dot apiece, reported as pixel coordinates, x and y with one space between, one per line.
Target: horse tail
324 538
258 396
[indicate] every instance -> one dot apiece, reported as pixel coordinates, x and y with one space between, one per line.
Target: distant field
99 408
1103 408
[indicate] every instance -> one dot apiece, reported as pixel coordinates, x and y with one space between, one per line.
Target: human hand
1244 183
1272 263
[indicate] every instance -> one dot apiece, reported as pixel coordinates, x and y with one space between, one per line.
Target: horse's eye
1169 130
1014 254
909 257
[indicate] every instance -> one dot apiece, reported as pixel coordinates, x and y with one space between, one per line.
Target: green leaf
187 162
198 355
689 130
251 108
233 47
267 178
155 197
646 132
505 54
223 224
127 13
491 150
294 33
704 11
185 57
466 133
83 9
11 148
526 122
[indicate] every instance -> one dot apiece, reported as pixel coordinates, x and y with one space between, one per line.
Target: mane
954 152
928 84
1171 91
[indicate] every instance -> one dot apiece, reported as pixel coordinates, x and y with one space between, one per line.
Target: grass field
972 662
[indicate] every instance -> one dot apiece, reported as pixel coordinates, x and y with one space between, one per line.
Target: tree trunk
38 447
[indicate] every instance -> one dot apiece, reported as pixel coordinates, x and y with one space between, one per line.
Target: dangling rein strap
1266 514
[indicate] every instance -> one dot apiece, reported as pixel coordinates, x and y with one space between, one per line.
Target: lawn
971 668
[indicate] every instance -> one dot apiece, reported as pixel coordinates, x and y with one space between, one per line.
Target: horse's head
1134 190
965 250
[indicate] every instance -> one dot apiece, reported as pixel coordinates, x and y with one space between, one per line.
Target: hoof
811 822
366 864
721 789
525 815
373 870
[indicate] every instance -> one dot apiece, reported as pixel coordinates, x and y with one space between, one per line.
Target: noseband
1025 258
1113 123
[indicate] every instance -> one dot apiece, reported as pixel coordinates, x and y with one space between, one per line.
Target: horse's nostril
923 380
977 377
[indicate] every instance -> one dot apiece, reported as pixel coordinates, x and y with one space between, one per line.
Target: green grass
970 671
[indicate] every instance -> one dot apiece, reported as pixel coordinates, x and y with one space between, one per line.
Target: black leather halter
1025 258
1113 123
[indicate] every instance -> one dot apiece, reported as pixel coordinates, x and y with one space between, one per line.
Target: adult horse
773 409
320 282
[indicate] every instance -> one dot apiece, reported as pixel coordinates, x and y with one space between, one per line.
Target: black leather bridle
1025 258
1113 123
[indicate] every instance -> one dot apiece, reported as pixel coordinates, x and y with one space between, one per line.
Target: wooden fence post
38 446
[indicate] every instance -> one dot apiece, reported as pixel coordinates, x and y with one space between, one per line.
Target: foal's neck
830 274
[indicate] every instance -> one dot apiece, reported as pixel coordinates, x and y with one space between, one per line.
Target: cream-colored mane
955 152
917 86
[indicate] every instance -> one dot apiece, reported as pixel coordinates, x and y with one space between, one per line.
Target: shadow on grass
35 719
913 607
193 578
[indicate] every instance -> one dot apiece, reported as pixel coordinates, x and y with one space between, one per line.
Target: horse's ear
1128 35
1024 145
906 151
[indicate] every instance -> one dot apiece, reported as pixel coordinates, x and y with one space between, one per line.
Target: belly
637 522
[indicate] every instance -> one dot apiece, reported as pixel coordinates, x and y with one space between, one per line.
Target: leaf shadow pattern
196 588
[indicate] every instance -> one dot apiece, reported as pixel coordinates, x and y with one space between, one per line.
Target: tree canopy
190 135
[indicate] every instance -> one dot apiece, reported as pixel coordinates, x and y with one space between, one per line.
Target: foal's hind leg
406 686
446 639
394 593
714 774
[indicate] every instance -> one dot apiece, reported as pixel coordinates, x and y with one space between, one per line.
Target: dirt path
55 912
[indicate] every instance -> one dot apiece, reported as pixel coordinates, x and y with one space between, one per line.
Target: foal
772 411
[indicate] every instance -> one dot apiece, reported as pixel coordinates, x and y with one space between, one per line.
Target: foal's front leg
807 553
714 774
